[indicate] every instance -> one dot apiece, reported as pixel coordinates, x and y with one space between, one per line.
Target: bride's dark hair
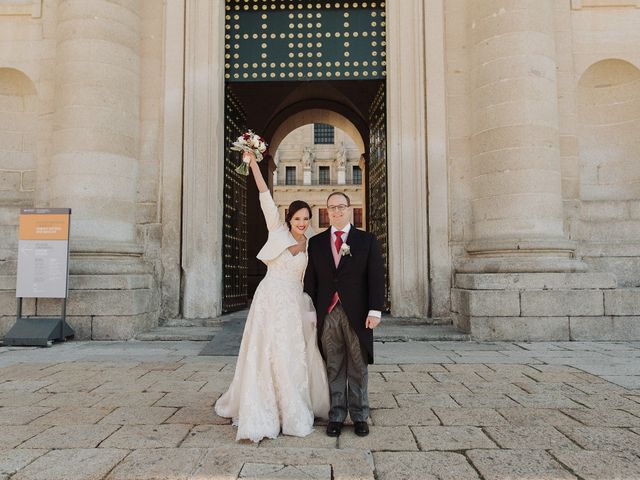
295 206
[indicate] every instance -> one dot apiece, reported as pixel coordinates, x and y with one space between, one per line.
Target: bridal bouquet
249 142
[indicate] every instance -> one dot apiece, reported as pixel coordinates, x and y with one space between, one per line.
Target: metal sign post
43 272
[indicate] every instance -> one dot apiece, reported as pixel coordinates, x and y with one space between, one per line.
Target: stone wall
546 306
542 151
554 94
81 91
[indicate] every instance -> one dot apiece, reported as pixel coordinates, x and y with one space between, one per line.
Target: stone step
195 322
173 334
535 281
392 330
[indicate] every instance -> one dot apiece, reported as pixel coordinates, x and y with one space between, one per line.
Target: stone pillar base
111 297
545 307
521 256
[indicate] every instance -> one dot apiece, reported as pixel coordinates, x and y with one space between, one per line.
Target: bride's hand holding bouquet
249 143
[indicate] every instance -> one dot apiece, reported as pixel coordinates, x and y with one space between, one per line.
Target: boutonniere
345 250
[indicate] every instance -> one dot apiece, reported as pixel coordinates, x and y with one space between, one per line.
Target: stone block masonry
545 307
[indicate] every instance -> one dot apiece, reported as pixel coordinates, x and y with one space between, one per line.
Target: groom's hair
333 194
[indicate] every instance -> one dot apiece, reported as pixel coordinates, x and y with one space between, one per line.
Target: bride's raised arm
257 174
269 208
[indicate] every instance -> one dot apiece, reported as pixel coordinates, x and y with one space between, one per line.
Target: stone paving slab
21 399
425 400
469 416
159 463
81 399
317 439
138 415
270 471
603 438
536 416
598 465
412 367
544 400
147 436
451 438
346 464
398 439
22 415
442 410
483 400
382 400
71 436
197 415
432 388
603 400
219 463
73 415
13 460
184 399
75 464
603 417
131 399
517 464
404 416
14 435
539 437
423 466
206 436
549 388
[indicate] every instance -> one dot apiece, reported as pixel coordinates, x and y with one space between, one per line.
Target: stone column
96 121
203 173
516 179
406 159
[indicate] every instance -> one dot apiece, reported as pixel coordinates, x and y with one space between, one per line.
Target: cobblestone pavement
441 410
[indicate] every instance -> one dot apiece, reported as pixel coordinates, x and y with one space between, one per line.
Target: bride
280 381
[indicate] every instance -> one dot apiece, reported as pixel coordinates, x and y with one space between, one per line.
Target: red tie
338 240
335 299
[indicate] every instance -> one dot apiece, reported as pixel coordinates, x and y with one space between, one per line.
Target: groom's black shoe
334 429
361 429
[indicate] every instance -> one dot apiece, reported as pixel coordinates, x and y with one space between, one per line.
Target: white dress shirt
346 229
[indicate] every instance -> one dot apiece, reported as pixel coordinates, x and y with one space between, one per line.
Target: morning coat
358 279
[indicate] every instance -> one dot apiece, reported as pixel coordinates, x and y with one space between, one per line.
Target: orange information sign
40 226
43 253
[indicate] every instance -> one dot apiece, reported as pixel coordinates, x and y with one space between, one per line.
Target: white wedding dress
280 381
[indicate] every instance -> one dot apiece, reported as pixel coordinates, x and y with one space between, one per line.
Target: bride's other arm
257 174
269 208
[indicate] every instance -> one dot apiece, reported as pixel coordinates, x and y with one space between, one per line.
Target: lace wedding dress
280 380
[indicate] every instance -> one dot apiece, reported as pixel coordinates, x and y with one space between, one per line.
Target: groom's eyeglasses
339 208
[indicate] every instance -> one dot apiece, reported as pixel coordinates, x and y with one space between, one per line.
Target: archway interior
275 109
312 161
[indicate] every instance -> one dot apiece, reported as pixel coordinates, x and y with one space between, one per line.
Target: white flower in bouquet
249 142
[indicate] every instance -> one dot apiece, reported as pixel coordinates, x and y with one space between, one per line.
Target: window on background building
357 217
323 133
324 175
323 218
290 176
356 175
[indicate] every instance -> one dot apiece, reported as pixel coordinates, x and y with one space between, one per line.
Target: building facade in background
501 166
313 161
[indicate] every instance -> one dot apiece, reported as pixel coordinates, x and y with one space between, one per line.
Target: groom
345 280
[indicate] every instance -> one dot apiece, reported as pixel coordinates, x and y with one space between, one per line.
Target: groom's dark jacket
359 281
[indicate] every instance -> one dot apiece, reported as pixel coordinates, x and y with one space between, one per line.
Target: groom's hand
372 322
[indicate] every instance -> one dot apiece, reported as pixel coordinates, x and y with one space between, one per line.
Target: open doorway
295 68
